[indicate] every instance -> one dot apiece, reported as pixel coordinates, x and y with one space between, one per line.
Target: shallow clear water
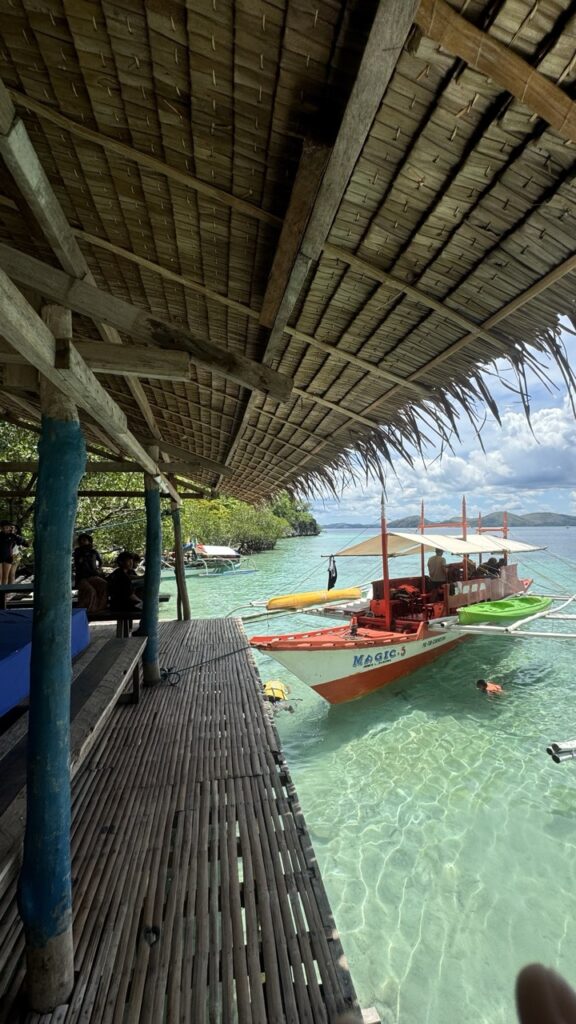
445 834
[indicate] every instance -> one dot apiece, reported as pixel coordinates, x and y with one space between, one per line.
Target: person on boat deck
124 603
487 686
489 569
88 576
9 540
437 569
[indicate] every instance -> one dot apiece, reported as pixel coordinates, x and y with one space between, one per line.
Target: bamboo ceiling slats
174 164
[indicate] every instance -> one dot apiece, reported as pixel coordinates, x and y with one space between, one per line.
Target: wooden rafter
185 469
308 178
23 163
566 267
25 408
178 452
391 26
151 163
379 371
123 360
396 284
92 302
440 22
23 328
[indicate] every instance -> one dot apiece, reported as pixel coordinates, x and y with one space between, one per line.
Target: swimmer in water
488 687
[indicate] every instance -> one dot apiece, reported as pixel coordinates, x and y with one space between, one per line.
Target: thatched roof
320 188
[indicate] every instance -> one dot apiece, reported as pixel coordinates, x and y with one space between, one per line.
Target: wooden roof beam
313 161
438 21
24 164
179 468
192 459
151 163
26 331
307 339
390 28
122 360
98 442
419 296
547 281
98 305
389 31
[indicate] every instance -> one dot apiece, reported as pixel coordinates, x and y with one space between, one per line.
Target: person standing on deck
123 601
9 540
88 577
437 570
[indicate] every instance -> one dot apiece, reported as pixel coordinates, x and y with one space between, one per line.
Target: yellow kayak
310 597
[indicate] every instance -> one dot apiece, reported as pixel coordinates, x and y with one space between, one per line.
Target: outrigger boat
408 622
207 560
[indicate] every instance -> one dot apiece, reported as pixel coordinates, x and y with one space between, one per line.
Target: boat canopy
212 551
409 543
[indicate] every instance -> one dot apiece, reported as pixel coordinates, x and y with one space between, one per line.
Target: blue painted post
45 891
149 622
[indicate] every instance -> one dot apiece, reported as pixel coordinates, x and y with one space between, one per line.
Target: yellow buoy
310 597
275 689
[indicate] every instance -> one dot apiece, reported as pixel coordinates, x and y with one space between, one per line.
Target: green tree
296 513
120 522
232 522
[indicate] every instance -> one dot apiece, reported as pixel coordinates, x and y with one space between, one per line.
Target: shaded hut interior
330 190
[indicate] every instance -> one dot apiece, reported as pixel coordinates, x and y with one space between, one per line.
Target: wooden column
149 622
183 599
45 891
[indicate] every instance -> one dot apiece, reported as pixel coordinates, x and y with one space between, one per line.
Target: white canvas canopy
409 543
215 551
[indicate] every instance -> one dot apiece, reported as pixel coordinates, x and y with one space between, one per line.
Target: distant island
493 519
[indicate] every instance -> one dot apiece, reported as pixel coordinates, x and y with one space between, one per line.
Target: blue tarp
15 647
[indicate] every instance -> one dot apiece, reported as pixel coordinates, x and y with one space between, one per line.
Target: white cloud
520 470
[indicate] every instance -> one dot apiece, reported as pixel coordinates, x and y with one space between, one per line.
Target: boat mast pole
385 571
422 564
464 534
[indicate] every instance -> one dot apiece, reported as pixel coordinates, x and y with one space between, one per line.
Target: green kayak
507 610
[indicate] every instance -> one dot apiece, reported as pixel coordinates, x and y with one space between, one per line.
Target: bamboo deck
197 896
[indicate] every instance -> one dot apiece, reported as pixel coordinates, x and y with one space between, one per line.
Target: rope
172 675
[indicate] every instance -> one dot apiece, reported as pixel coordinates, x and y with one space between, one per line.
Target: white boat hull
345 673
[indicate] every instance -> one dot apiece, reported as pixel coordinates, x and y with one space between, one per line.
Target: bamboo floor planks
197 897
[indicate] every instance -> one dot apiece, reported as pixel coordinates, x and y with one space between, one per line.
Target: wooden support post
149 621
183 599
45 890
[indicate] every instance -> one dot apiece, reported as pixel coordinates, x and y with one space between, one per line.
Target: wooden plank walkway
197 896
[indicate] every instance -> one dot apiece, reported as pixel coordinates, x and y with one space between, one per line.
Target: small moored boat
508 610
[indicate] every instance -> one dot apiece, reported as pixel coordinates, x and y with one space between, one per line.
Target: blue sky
520 471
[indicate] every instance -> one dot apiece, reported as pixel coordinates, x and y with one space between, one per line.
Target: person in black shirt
88 577
9 540
123 601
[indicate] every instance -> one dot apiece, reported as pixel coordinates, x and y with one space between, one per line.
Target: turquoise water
445 834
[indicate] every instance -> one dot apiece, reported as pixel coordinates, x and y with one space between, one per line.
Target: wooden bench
123 625
96 691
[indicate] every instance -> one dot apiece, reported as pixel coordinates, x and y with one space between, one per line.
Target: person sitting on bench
124 604
88 576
